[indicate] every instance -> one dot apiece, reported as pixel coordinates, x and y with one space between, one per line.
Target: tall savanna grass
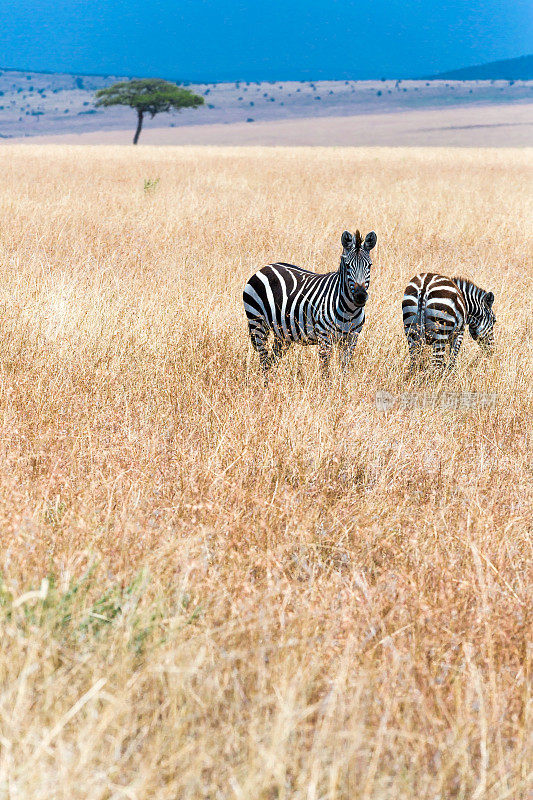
212 589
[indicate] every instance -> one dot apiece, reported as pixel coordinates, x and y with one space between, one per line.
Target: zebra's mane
358 241
465 282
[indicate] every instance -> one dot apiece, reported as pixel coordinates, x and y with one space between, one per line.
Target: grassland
210 589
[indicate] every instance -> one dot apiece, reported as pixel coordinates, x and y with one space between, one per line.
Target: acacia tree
147 96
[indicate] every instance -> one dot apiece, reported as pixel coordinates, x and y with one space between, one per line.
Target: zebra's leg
279 347
439 353
454 350
415 351
324 355
259 336
346 350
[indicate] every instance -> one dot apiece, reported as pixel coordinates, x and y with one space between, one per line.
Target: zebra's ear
370 240
346 240
489 298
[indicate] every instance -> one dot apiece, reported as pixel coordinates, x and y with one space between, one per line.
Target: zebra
297 305
435 311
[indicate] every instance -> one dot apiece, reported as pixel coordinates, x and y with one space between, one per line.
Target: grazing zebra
436 310
297 305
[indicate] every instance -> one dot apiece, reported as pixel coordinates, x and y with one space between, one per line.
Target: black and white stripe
435 311
297 305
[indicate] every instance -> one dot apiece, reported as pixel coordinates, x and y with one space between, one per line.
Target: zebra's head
356 263
481 326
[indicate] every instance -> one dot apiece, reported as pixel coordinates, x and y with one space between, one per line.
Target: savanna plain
212 589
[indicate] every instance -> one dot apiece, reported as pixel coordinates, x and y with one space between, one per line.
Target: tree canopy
147 96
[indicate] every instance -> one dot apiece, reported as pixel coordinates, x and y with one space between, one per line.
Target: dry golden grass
258 593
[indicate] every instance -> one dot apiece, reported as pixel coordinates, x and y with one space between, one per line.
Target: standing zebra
436 310
297 305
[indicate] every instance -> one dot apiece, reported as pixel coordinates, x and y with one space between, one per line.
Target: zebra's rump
433 308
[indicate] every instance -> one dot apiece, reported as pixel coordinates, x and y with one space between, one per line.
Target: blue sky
217 40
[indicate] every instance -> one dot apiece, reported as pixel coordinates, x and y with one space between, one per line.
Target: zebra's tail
421 316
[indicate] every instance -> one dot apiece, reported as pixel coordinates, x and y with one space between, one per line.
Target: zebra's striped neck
344 301
473 297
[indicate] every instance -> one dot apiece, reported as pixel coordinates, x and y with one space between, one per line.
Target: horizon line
433 76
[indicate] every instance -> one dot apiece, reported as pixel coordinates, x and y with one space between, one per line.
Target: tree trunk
139 125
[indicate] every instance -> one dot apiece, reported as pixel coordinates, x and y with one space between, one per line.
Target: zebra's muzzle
360 297
487 345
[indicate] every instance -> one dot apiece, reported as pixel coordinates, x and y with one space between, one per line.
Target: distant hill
511 69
